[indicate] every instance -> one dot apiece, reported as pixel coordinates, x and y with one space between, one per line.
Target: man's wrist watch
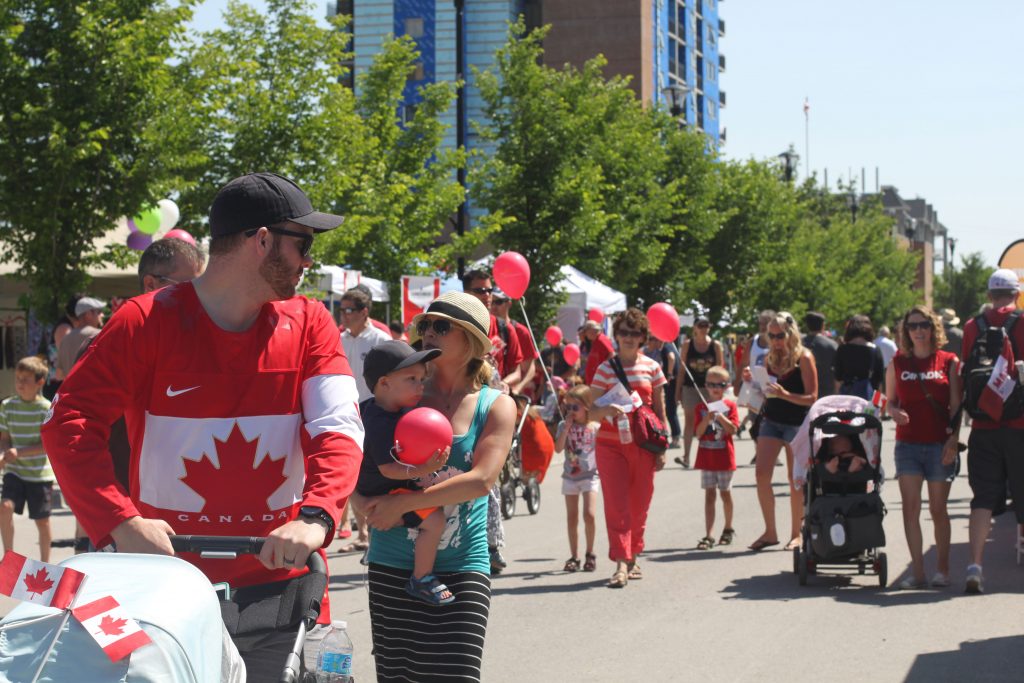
315 514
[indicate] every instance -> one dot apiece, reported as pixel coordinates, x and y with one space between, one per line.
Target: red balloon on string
596 315
419 433
179 234
571 354
664 321
512 274
554 335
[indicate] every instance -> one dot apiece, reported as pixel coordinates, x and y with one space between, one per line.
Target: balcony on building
721 28
721 63
721 98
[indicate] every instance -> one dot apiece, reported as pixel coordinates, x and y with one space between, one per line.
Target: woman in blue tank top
483 421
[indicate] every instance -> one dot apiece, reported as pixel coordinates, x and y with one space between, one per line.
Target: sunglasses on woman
923 325
440 325
636 334
778 336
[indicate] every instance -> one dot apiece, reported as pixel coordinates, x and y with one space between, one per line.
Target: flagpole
60 629
533 340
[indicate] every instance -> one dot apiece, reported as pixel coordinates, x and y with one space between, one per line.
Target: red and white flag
878 402
1000 384
417 293
110 626
37 582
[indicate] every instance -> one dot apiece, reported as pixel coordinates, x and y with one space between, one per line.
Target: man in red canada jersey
239 403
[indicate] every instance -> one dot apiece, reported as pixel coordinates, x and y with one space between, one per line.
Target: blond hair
938 333
34 364
581 393
718 371
479 369
784 360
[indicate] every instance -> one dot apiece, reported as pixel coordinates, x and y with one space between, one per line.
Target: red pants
627 484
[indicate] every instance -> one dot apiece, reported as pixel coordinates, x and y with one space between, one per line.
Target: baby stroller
191 628
843 513
511 478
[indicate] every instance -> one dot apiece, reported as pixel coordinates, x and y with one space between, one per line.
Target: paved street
729 615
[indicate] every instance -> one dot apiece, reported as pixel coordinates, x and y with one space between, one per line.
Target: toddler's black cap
390 356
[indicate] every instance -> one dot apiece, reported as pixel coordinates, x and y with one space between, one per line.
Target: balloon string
533 340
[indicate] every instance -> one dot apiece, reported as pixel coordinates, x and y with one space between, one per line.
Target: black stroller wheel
531 493
508 500
802 567
796 560
882 567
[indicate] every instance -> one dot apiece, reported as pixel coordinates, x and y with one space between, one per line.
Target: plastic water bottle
625 433
334 659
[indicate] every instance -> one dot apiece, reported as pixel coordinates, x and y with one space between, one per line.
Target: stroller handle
230 547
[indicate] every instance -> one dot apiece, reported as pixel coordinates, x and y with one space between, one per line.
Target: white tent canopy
337 280
585 292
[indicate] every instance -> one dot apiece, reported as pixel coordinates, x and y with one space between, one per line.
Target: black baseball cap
389 356
256 200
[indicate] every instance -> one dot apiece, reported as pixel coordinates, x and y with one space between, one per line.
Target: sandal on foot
706 543
591 563
619 580
760 544
572 565
429 590
635 573
727 536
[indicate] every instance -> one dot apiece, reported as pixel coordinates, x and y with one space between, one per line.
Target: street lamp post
790 159
675 96
851 201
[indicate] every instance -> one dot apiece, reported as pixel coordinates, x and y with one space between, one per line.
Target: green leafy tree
83 85
964 289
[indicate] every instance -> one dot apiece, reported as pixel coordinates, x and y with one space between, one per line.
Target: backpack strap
1008 325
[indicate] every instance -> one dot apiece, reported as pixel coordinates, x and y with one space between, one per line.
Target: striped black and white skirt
414 641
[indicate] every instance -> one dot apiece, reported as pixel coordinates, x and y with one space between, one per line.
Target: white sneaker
940 580
912 584
975 580
838 535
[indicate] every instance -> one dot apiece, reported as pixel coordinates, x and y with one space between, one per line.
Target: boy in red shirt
716 454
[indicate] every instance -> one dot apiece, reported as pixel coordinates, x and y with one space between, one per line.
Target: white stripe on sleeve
330 403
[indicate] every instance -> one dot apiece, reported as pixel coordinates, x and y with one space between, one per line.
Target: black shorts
995 459
39 495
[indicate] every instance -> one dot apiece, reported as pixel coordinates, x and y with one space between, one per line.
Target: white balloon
169 214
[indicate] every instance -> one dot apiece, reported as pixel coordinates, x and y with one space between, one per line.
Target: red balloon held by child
512 274
553 335
571 354
664 321
420 433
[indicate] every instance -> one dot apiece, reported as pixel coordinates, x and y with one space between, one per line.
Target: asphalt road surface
720 615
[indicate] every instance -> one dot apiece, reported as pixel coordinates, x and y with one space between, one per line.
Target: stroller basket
860 517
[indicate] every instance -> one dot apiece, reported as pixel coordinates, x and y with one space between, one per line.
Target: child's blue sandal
428 589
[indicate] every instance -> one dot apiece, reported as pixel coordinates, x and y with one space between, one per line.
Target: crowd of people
166 419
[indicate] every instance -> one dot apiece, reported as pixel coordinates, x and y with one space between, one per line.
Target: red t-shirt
926 424
507 355
600 351
995 318
715 450
230 432
526 345
644 377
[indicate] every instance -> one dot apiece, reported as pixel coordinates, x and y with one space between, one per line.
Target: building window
414 27
417 73
408 113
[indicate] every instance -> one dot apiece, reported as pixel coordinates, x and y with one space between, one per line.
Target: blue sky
931 94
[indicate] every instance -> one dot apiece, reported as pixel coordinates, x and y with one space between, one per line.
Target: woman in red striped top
626 470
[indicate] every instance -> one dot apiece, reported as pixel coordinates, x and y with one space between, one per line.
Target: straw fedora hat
464 310
949 317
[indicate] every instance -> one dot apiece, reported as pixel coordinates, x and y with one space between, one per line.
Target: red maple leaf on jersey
40 582
112 627
238 484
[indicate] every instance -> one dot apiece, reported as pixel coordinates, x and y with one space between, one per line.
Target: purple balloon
139 241
132 227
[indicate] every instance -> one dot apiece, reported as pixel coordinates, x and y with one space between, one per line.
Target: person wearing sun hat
954 335
483 420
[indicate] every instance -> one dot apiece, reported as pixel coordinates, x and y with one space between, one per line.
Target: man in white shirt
359 336
886 345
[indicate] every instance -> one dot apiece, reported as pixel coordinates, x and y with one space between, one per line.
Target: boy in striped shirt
27 475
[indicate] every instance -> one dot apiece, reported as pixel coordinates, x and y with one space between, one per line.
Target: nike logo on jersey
172 392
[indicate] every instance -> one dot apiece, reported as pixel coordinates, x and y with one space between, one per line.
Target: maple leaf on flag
112 627
39 582
236 482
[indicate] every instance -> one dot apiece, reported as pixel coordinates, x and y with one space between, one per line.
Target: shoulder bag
648 431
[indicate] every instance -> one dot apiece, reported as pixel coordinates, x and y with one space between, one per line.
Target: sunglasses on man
481 290
304 246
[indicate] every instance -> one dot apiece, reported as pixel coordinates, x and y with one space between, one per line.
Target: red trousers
627 485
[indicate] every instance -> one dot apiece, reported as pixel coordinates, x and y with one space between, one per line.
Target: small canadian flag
38 582
878 402
110 626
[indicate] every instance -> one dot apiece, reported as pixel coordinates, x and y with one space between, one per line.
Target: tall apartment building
657 43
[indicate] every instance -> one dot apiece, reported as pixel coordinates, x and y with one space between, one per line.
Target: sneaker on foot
940 580
912 584
975 581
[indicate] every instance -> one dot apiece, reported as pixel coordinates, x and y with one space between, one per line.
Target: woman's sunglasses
924 325
777 336
440 325
636 334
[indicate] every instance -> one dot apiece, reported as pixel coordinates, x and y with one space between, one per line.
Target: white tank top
757 354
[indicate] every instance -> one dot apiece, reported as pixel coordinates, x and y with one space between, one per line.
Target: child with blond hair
716 454
576 436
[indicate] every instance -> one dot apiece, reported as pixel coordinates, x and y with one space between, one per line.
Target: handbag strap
620 372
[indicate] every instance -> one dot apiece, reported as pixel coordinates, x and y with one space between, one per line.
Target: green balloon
148 221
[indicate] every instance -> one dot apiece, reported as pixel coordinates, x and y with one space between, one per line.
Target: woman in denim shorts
789 397
923 388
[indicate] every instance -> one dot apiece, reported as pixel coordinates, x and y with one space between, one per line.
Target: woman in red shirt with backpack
923 388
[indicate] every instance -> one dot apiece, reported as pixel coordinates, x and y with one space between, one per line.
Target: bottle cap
340 624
